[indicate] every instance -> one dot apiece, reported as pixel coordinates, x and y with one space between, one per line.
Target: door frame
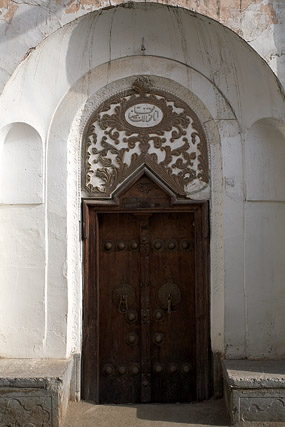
90 341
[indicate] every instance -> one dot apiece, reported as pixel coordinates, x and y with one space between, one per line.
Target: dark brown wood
145 309
119 270
179 368
172 265
90 313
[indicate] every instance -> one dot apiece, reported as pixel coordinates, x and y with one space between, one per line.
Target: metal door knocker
123 297
123 304
169 296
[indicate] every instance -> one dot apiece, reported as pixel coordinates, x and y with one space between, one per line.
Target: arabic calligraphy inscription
144 115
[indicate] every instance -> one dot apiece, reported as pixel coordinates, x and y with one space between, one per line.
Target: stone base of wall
34 393
255 390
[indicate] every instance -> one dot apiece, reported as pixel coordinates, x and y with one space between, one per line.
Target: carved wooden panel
143 126
144 193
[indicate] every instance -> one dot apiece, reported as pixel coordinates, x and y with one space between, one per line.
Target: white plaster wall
235 321
22 237
49 89
265 274
22 279
264 238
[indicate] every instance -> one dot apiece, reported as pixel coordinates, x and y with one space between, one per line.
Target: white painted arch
200 59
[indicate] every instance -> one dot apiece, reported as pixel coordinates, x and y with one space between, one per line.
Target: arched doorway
146 298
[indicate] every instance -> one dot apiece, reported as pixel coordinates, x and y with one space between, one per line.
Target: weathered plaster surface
24 24
264 278
22 271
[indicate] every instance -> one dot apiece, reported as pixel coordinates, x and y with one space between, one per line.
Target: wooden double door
147 346
146 305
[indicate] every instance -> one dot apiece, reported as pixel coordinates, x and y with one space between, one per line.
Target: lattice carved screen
143 126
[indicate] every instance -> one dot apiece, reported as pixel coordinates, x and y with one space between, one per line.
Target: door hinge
85 231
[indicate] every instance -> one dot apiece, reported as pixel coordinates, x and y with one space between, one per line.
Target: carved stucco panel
144 125
269 408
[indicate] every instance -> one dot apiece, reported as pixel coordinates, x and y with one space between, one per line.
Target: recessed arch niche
265 156
76 119
21 171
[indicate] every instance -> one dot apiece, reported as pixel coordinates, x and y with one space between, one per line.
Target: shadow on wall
27 23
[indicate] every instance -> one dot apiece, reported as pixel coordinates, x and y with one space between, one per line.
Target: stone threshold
255 390
34 392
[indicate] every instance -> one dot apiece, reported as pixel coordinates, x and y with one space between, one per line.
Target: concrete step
255 390
34 392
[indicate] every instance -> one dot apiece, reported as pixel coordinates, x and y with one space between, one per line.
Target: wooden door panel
146 265
143 265
119 305
172 278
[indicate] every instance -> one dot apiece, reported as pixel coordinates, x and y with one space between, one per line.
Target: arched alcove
21 168
22 230
265 236
265 158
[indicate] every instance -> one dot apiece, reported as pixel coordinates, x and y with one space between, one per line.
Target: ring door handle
123 297
169 296
123 304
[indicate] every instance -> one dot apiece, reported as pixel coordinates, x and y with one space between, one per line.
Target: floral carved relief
32 411
143 126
